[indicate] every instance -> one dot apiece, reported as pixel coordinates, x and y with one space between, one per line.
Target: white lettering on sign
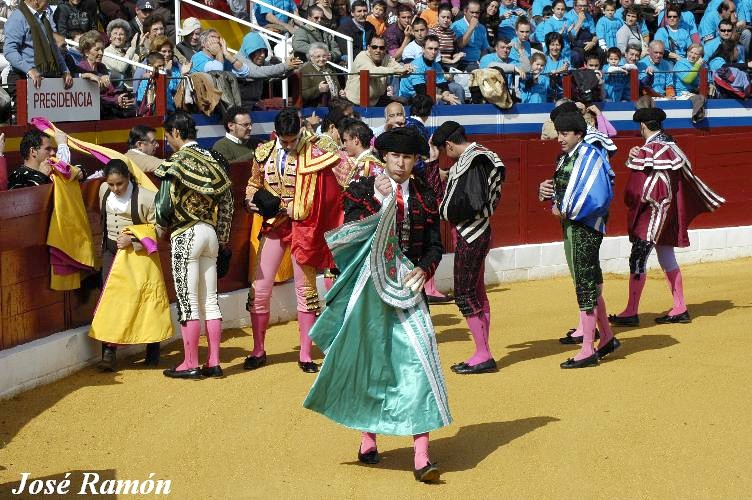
58 104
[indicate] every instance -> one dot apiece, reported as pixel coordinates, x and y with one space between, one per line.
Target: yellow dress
134 308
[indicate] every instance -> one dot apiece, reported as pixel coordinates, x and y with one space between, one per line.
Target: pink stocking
214 338
191 331
328 283
603 325
588 335
430 288
420 442
676 286
259 322
367 442
477 325
305 322
636 284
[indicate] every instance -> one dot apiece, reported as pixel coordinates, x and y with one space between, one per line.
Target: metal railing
269 33
332 32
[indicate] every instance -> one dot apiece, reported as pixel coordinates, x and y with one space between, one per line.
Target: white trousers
194 270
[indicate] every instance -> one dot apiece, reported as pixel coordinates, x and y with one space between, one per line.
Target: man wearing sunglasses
235 146
725 32
380 65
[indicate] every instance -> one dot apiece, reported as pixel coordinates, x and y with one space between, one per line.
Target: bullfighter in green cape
381 371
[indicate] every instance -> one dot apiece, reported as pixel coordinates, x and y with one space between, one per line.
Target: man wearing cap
595 138
582 197
293 188
381 373
190 43
663 196
473 190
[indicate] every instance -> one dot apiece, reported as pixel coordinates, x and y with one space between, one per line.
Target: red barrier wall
30 310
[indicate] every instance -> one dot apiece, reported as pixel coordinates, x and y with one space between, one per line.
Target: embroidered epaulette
263 151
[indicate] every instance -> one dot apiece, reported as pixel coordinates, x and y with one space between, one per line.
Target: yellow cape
69 229
284 273
134 308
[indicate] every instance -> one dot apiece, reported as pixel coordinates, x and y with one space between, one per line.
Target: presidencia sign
58 104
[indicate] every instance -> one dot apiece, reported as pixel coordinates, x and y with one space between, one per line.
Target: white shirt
414 51
121 203
233 138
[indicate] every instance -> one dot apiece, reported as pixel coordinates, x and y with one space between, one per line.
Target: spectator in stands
115 102
380 65
584 38
607 26
500 59
399 34
72 17
686 21
377 17
726 9
616 79
471 36
509 14
30 49
318 83
142 144
331 18
71 58
631 33
259 70
153 26
414 49
143 9
214 56
146 86
234 146
275 21
307 34
534 88
655 76
356 27
521 48
642 25
431 14
727 54
118 33
725 32
688 70
191 38
394 117
556 65
117 9
675 38
35 149
415 83
557 23
489 17
450 53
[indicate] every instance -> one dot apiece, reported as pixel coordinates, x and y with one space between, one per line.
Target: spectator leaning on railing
214 56
30 48
380 65
415 83
259 71
655 76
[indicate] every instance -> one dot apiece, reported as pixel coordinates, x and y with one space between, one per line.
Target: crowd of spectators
533 45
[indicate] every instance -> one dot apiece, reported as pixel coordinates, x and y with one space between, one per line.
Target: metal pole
349 56
177 22
284 81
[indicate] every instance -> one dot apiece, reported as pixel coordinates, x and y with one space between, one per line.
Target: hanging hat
649 115
570 122
189 26
445 131
566 107
402 140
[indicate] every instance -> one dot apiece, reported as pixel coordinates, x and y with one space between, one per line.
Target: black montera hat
402 140
649 115
570 122
566 107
